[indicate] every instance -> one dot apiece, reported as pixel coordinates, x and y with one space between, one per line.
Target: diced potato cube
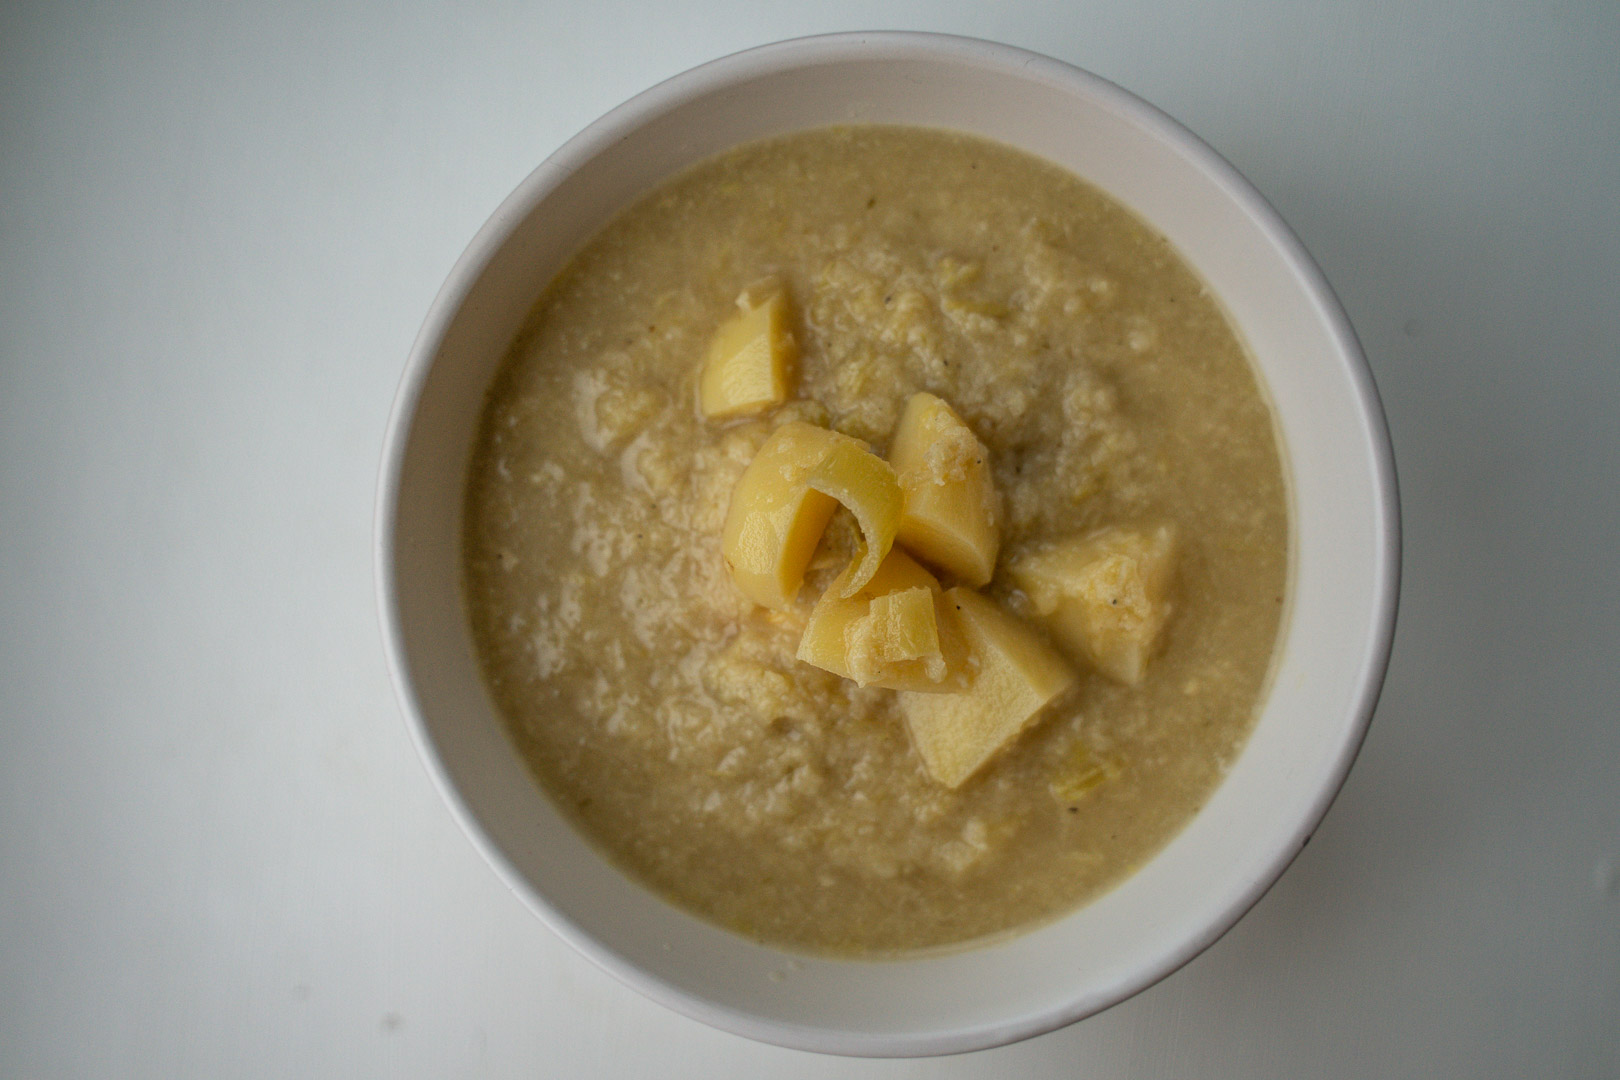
950 518
897 627
749 367
1105 596
1015 676
866 484
839 626
776 519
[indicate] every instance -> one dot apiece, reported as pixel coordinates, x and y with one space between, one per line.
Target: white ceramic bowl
1345 565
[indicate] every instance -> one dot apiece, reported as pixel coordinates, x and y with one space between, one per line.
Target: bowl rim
1005 60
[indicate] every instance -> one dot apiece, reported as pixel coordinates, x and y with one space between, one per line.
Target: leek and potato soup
876 539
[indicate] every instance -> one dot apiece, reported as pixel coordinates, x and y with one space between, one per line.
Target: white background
220 226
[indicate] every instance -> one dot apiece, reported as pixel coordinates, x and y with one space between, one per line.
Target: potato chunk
1105 596
749 367
867 485
897 627
885 634
776 519
951 517
1017 675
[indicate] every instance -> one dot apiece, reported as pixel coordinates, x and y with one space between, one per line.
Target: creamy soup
667 713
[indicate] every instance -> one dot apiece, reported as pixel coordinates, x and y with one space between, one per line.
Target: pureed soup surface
667 714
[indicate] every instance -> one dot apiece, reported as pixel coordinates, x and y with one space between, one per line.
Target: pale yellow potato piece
897 627
776 519
749 367
951 518
866 484
903 626
826 641
1106 596
1015 676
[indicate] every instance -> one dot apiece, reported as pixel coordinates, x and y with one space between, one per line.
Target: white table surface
220 226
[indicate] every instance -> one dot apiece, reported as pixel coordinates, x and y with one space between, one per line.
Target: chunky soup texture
668 716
